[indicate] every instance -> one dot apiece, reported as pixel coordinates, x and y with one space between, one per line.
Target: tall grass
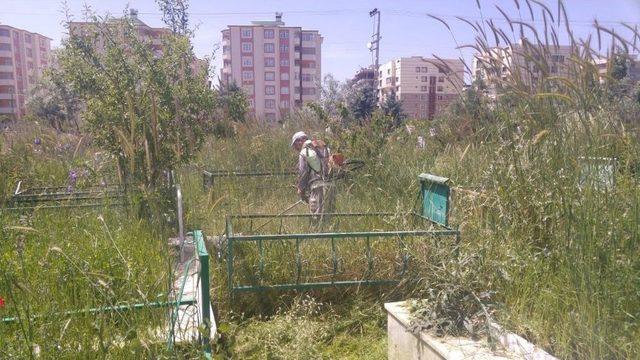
55 262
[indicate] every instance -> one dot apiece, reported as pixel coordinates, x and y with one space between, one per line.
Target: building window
440 97
268 33
284 34
6 75
5 32
284 48
417 68
441 79
309 64
269 76
226 49
309 50
6 61
388 71
270 117
424 78
308 36
440 88
27 38
284 104
247 61
248 89
424 69
269 104
251 104
557 58
308 91
246 33
284 76
284 62
30 65
247 75
269 62
270 90
247 47
269 48
424 88
307 77
5 47
442 71
284 90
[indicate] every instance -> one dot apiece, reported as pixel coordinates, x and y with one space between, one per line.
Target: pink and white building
277 66
424 86
23 57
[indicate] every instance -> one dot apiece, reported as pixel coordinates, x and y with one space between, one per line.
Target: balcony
7 82
226 56
7 96
6 68
8 110
6 53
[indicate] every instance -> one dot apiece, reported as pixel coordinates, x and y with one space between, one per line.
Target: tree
331 95
361 100
392 108
619 67
234 102
149 110
54 100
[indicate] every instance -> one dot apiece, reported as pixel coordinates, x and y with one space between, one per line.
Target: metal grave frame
198 260
434 195
209 177
59 197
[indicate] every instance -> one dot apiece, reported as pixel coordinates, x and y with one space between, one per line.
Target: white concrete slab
188 317
405 345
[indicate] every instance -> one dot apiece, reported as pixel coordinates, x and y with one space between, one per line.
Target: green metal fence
203 322
249 255
211 177
59 197
200 258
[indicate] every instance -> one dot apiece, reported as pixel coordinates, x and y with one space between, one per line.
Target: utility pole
375 42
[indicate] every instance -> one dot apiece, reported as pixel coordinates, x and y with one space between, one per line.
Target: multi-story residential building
425 86
368 74
277 66
23 57
145 32
500 63
633 68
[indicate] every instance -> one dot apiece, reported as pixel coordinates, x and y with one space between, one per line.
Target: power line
333 12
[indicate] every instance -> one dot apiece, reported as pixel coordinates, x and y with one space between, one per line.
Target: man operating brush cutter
317 171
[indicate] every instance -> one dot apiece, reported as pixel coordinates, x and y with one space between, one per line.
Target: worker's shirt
311 167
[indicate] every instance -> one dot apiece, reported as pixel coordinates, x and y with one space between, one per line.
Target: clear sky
345 25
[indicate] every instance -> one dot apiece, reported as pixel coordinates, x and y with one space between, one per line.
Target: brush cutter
278 215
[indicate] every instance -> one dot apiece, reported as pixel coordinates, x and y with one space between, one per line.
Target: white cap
297 136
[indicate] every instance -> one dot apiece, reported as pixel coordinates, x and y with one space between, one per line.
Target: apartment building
633 68
368 74
23 57
499 63
145 32
424 86
277 66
